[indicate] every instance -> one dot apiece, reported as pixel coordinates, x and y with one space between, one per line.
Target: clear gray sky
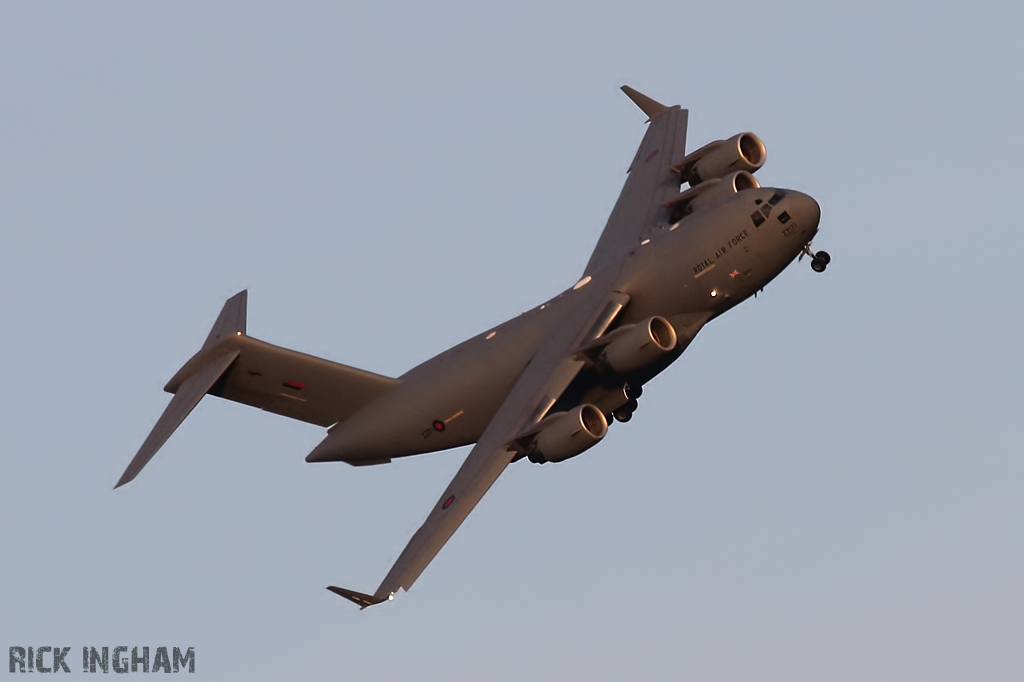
827 486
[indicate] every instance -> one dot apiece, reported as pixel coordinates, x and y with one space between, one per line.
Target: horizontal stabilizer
363 600
184 401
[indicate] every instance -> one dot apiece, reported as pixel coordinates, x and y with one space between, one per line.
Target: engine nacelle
717 190
743 152
567 434
707 193
639 345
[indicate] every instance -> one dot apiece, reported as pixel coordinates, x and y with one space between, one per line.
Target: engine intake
567 434
717 190
743 152
639 345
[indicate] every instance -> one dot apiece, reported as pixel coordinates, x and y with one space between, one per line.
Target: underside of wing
639 210
545 378
650 184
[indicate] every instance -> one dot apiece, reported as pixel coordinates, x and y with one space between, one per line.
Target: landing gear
625 413
819 261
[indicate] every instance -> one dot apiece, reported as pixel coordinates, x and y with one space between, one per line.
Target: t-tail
237 367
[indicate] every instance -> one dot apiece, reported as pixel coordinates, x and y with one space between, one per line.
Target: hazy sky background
827 485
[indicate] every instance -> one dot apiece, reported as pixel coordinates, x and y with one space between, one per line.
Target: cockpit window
757 218
783 217
776 198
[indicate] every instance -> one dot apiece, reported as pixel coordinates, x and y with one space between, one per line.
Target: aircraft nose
805 209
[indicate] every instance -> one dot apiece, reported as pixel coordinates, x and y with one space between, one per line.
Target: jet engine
723 188
743 152
639 345
567 434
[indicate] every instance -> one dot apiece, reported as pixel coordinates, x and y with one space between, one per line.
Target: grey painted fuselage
689 273
544 385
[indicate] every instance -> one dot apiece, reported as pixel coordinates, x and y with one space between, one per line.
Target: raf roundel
448 502
438 425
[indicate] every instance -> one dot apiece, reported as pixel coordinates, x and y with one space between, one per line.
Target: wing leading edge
640 207
547 376
639 210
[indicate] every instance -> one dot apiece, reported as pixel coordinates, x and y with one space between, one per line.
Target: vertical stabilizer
232 318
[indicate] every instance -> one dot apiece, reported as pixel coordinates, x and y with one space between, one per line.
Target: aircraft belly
445 402
449 400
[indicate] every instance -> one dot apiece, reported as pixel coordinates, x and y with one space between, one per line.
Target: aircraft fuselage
689 273
690 236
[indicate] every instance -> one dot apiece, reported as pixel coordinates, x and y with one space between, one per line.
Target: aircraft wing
650 184
591 309
549 373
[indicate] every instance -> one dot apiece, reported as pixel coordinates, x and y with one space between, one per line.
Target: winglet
363 600
646 104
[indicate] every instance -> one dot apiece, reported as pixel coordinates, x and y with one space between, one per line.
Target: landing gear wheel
818 265
823 257
633 392
625 413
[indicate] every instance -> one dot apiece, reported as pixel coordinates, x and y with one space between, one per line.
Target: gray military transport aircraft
545 385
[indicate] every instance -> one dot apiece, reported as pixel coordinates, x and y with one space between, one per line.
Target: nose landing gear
819 260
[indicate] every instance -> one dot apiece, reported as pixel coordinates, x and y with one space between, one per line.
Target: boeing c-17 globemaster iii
545 385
